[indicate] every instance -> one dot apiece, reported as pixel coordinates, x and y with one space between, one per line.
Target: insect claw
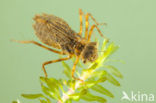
80 11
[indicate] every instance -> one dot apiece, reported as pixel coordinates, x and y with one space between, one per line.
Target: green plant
66 91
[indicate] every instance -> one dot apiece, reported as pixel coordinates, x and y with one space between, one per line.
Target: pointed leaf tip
102 90
112 80
90 97
31 96
114 71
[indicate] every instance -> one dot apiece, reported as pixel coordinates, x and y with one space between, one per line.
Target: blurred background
131 25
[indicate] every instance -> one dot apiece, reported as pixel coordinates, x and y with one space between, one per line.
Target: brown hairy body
55 32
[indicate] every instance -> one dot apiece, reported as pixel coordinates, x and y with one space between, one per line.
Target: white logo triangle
125 96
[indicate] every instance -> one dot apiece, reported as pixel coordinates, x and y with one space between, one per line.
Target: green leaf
102 90
90 97
87 73
112 80
71 84
61 83
109 50
48 92
67 70
98 74
102 76
104 45
53 85
93 66
114 71
46 100
90 83
77 96
14 101
32 96
95 78
84 91
69 101
43 101
112 48
102 79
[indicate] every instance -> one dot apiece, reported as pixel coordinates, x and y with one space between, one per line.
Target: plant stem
70 91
